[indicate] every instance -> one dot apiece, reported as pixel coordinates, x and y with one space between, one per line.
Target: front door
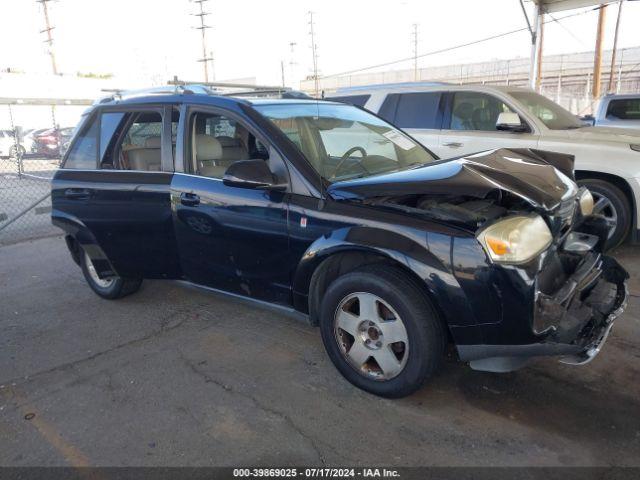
470 126
229 238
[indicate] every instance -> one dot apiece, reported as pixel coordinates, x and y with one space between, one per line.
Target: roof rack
230 89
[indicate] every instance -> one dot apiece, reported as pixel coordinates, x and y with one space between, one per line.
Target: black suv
328 211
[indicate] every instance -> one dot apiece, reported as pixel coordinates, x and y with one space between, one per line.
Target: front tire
381 332
110 288
613 204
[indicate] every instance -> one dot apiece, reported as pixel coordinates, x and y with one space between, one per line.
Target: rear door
230 238
469 126
417 113
114 188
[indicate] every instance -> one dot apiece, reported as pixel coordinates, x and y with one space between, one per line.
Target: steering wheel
346 155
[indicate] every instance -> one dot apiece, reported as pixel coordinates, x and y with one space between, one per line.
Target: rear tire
386 313
110 288
611 202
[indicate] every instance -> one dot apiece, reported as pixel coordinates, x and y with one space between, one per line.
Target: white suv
454 120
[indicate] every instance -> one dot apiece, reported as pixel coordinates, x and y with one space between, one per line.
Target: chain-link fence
33 139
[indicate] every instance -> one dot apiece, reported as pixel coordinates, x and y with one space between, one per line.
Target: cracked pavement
175 376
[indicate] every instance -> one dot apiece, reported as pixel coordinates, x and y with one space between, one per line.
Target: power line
455 47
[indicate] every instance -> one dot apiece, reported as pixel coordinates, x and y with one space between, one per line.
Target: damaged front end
529 258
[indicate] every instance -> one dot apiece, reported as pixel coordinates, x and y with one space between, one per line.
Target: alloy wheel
371 336
603 206
101 282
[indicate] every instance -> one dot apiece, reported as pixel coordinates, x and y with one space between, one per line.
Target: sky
147 42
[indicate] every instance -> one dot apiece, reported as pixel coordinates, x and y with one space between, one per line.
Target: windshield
342 141
550 113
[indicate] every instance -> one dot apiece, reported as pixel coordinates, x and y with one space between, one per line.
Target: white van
453 120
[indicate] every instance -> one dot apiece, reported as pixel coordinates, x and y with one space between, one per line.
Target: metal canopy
552 6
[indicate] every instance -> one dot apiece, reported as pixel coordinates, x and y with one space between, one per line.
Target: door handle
77 193
452 144
189 199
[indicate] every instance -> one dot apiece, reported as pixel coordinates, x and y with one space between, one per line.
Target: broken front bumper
572 320
592 343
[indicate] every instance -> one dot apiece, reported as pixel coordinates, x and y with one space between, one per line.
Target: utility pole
203 27
292 61
314 50
612 71
414 36
559 89
539 54
597 60
47 30
282 71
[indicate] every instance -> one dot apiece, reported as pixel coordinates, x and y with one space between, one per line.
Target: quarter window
357 100
476 111
84 152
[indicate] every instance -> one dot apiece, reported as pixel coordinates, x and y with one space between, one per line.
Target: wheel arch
78 238
323 263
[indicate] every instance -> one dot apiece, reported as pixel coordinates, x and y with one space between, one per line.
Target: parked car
619 111
459 120
50 143
327 212
29 139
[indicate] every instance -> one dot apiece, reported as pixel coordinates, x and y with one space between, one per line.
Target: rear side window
418 110
624 109
413 110
357 100
84 152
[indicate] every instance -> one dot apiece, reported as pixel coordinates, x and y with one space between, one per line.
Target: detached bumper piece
607 300
582 312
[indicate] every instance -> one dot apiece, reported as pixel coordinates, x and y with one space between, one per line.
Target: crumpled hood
533 175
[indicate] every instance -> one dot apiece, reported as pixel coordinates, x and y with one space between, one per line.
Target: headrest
152 142
208 148
228 141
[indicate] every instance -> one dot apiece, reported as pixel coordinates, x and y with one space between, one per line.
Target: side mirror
510 122
253 174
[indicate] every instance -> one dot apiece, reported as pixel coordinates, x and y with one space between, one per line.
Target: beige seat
146 158
208 151
232 150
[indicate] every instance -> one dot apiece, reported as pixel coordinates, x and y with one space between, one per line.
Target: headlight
515 239
635 147
586 202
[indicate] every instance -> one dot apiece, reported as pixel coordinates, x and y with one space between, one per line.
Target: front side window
84 153
624 109
476 111
217 141
550 113
342 141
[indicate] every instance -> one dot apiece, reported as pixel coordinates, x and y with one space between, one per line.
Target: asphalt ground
174 376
